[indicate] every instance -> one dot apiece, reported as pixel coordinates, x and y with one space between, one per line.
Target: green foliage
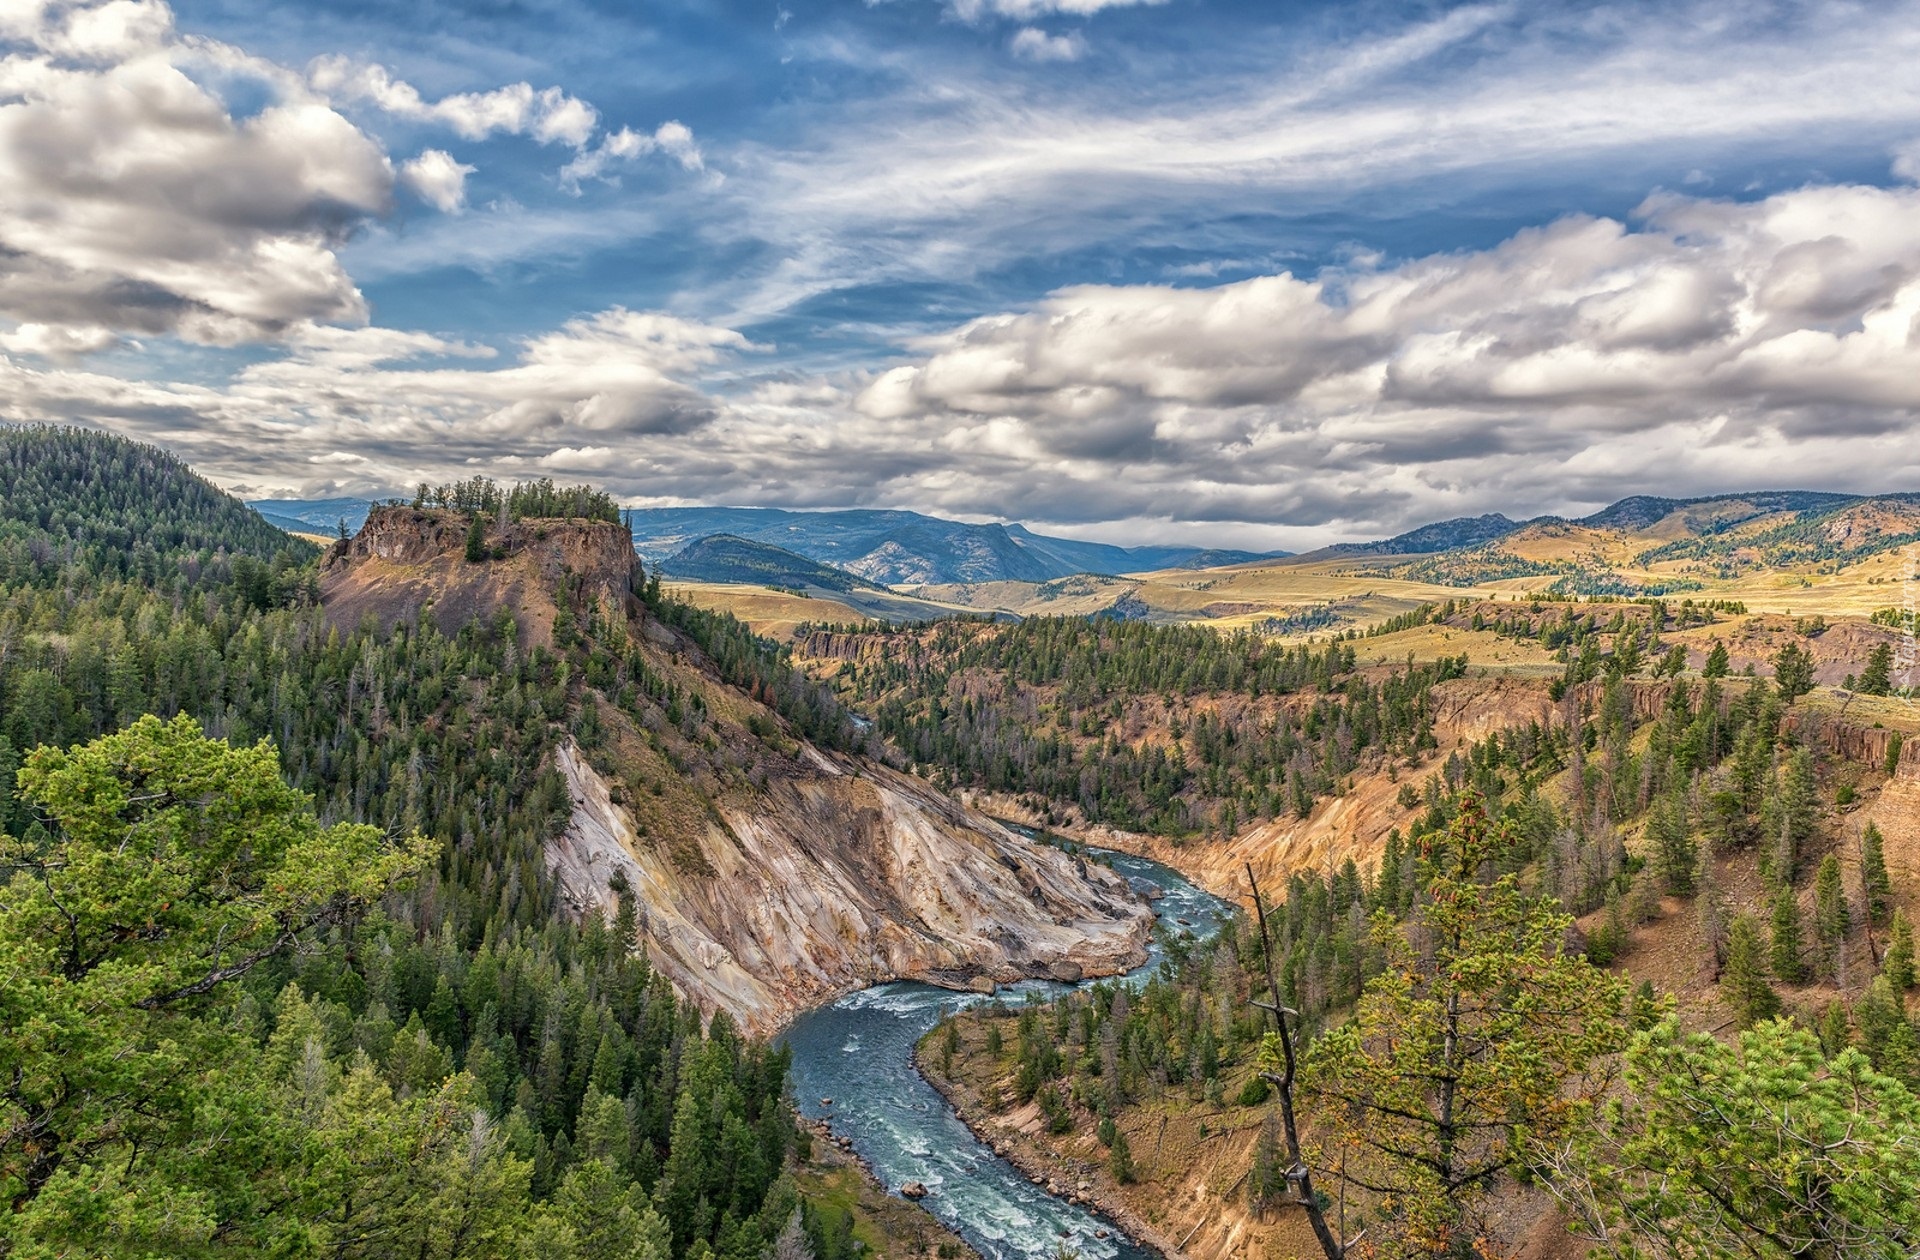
1031 709
1465 1057
1768 1148
170 867
1718 662
762 669
73 500
542 499
1897 964
1874 880
1877 678
477 552
1788 939
1793 671
1120 1160
1832 917
1745 981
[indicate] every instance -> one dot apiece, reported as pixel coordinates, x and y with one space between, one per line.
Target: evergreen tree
1718 662
1832 917
1876 885
1787 938
1877 678
1836 1034
476 539
1897 964
1805 1154
1792 672
1480 1027
1674 852
1120 1160
1744 981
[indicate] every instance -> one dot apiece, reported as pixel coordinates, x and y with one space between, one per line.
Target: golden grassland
1300 599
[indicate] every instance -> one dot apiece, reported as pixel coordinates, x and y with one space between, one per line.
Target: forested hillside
1163 729
1667 895
372 1035
76 503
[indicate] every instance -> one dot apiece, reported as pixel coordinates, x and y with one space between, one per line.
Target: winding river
859 1053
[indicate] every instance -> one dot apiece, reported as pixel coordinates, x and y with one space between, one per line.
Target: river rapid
858 1052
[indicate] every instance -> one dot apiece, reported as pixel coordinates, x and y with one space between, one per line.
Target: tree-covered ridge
1037 708
76 500
483 496
463 1071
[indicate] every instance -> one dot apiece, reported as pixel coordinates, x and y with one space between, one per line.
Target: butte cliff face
768 874
407 561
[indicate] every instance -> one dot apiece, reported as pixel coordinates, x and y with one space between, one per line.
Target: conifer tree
1836 1034
1831 914
1674 851
1718 662
1877 678
1485 1027
1876 886
1744 981
1897 963
1120 1160
1792 672
1787 938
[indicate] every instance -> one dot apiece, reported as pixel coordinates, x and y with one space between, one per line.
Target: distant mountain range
1710 514
727 558
908 548
815 550
888 547
313 516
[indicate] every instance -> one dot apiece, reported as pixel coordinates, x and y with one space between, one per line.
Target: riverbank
891 1226
1191 1157
1084 1184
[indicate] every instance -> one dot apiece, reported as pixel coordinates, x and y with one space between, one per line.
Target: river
858 1051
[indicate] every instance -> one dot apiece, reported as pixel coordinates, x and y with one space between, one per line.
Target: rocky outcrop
827 882
408 561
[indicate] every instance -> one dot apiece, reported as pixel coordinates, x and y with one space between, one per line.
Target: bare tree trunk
1299 1176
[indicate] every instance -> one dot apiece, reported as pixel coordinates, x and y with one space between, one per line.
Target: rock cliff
835 880
768 875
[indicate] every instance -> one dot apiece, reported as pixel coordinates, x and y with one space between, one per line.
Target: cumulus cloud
1036 45
131 199
1713 343
549 115
438 180
1702 345
55 341
672 138
1028 10
375 408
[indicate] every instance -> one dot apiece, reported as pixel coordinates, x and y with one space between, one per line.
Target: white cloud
672 138
1036 45
962 176
438 180
1028 10
56 341
1906 161
549 115
132 200
1708 345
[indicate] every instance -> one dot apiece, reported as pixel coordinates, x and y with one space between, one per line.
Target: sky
1241 274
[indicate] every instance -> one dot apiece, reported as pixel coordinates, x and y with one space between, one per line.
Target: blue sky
1259 273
